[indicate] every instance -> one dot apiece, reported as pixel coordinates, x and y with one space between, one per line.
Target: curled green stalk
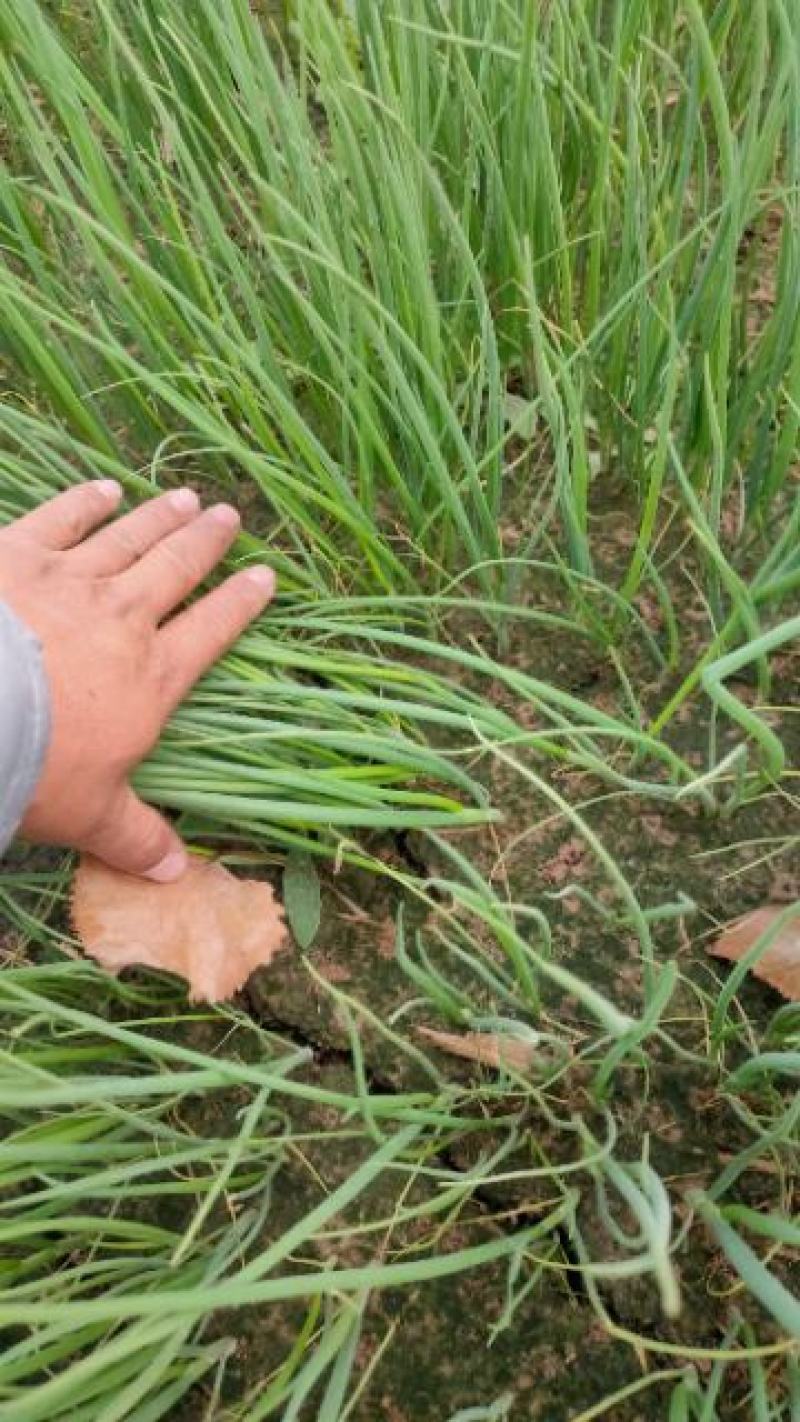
773 754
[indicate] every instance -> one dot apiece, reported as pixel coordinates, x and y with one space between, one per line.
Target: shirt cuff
24 720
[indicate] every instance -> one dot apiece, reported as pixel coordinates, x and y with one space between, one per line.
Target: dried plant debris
210 927
492 1049
779 964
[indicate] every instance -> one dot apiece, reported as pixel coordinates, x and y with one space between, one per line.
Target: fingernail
264 578
172 866
109 488
225 514
184 500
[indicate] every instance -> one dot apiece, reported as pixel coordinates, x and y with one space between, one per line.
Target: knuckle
72 521
150 831
223 616
184 562
153 522
132 542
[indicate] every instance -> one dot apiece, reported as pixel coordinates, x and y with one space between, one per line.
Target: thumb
137 839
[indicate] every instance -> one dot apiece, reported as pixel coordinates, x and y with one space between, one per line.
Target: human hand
118 654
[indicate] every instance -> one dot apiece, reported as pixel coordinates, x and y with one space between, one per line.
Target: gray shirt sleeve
24 720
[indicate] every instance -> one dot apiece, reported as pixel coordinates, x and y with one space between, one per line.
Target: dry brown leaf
779 965
210 927
488 1048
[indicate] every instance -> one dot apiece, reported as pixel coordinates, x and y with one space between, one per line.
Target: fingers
137 839
65 520
128 539
195 639
165 576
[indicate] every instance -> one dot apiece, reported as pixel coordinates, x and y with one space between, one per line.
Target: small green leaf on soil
301 898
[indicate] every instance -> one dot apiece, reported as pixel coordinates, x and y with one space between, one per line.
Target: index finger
171 570
62 522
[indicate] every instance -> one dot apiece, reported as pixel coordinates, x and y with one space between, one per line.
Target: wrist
24 719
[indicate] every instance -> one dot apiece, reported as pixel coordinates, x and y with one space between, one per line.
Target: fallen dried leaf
210 927
779 964
488 1048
